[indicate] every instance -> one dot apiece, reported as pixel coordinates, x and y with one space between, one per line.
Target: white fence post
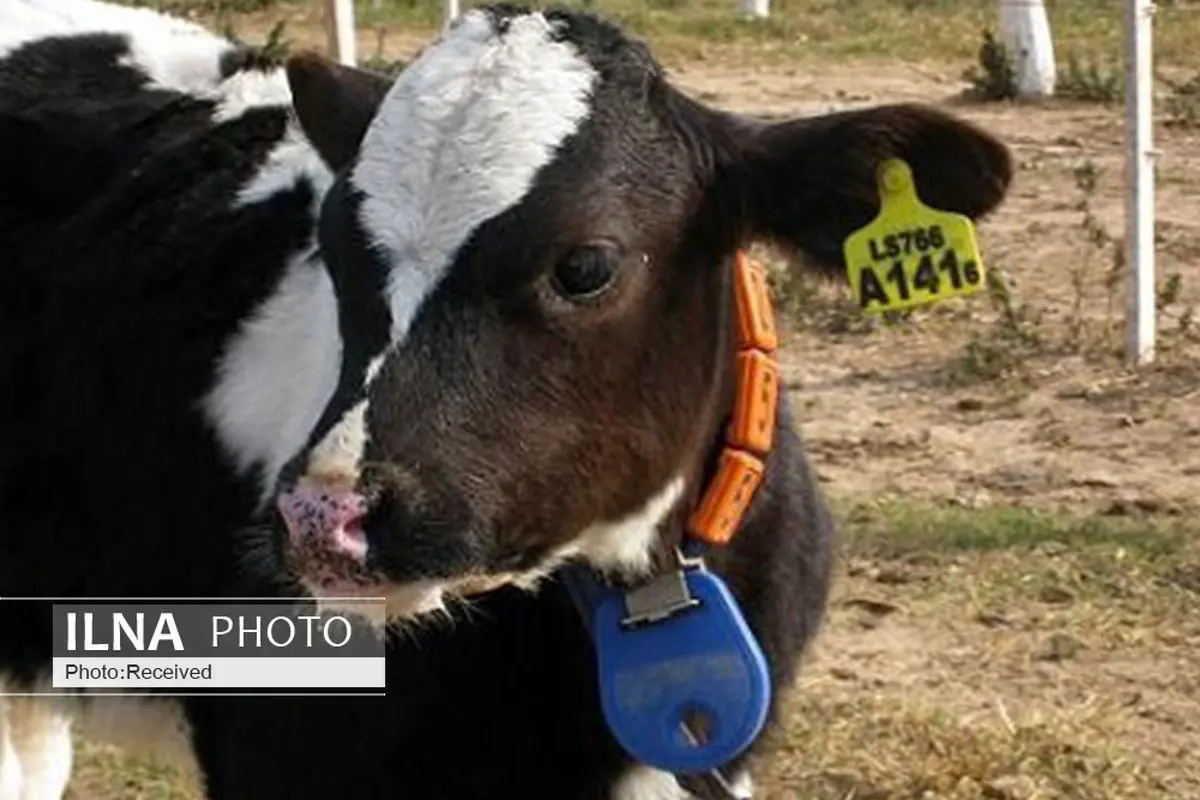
1139 178
760 9
450 12
339 30
755 8
1025 31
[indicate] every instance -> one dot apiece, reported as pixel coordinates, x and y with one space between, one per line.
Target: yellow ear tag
910 254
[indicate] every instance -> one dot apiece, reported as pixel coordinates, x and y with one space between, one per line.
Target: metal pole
1139 176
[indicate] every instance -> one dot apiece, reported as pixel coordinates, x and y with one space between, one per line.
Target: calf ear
334 104
812 182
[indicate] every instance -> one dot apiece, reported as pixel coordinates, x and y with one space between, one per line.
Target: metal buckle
664 596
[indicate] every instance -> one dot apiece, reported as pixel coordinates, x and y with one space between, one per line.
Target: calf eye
586 271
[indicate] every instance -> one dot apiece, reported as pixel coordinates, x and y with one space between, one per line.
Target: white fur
742 785
293 159
36 749
337 456
281 368
171 52
41 738
622 547
459 139
10 763
647 783
279 371
257 89
641 782
625 546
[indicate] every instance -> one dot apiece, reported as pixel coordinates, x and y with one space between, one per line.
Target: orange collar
748 438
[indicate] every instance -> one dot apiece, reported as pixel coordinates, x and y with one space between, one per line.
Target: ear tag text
687 691
910 254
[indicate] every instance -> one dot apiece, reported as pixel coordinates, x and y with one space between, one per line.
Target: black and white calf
157 214
461 329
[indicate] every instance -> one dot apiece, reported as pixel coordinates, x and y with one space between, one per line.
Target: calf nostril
329 516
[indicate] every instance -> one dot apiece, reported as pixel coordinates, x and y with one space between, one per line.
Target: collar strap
749 436
687 616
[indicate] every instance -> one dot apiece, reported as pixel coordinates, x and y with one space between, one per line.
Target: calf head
530 235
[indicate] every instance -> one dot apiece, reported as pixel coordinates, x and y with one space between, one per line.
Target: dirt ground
901 412
888 409
1048 672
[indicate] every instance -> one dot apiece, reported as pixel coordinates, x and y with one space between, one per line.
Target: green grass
895 528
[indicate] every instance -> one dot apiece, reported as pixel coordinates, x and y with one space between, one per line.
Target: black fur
126 270
504 703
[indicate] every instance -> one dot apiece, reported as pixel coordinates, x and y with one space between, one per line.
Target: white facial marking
625 546
373 368
641 782
171 52
278 372
459 139
337 456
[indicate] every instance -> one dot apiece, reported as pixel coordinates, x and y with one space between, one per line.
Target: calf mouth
332 545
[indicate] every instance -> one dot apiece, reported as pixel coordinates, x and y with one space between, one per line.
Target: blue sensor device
684 685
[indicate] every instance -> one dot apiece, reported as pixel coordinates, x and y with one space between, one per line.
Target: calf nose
324 516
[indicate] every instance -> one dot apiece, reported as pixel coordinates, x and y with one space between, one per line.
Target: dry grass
1001 653
104 773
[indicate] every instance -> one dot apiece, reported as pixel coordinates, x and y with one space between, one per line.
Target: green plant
378 62
1169 305
1001 349
1082 337
1182 103
274 49
1090 82
994 78
810 300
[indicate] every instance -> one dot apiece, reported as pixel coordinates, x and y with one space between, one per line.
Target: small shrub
995 77
1182 103
274 49
1089 83
378 62
1000 350
812 301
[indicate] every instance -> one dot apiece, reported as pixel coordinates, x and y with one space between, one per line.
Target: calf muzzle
325 516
